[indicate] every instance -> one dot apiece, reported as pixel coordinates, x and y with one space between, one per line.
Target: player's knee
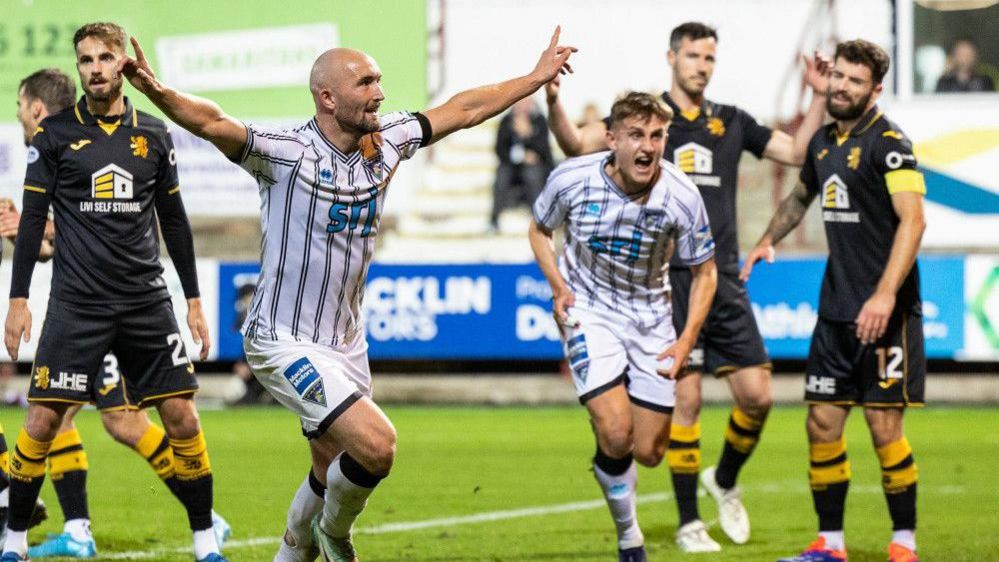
649 454
885 426
42 423
757 405
822 430
180 418
118 425
381 454
617 440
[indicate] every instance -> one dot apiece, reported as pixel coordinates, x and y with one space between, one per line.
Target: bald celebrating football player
323 188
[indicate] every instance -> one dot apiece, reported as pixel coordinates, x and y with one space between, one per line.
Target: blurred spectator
12 395
591 114
525 158
246 388
961 76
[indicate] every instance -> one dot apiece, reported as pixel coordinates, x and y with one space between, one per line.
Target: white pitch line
490 516
408 526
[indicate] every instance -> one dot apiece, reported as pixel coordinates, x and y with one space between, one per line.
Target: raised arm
471 107
200 116
573 140
784 148
792 209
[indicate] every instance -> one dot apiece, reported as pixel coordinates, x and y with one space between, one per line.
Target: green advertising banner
253 58
250 57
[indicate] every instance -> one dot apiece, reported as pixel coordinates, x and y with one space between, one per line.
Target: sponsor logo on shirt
697 162
836 198
115 183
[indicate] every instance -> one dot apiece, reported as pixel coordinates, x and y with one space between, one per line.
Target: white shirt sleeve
269 154
404 133
552 205
695 243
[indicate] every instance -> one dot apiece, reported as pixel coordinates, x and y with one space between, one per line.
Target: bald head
346 85
337 67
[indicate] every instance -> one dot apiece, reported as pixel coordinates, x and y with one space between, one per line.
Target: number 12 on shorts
889 364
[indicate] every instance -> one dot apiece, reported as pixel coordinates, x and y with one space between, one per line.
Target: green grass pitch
466 461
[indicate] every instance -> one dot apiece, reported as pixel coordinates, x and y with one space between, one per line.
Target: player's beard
851 111
112 92
361 126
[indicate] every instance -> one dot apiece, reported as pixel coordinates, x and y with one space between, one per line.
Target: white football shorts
605 349
315 381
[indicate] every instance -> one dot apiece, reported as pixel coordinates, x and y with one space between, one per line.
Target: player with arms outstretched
323 188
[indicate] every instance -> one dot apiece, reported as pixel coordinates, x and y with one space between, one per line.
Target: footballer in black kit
707 144
107 180
867 348
854 177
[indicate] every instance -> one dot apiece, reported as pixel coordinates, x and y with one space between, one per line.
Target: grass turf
462 461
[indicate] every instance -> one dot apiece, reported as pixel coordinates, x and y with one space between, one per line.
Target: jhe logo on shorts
76 382
821 385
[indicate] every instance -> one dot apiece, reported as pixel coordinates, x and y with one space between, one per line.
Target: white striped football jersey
617 249
319 213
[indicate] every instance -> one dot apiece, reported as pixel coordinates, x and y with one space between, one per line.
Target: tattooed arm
789 214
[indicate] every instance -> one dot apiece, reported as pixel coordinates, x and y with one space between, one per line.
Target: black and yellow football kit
854 176
706 144
107 179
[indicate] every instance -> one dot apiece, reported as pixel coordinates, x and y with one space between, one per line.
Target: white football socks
304 507
79 529
344 501
905 537
619 491
834 539
204 543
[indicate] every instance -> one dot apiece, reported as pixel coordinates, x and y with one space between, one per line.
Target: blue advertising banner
485 311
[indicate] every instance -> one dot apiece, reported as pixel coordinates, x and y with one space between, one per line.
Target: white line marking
500 516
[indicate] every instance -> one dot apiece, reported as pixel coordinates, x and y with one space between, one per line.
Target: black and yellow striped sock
194 479
4 461
68 467
899 477
741 436
155 448
27 472
829 477
684 458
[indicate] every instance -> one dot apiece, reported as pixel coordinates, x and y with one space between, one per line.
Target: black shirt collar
83 115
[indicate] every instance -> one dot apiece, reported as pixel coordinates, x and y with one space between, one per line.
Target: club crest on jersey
139 146
111 182
853 159
305 379
716 127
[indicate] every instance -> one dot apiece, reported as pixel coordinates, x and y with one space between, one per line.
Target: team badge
42 377
853 159
305 379
139 146
716 127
